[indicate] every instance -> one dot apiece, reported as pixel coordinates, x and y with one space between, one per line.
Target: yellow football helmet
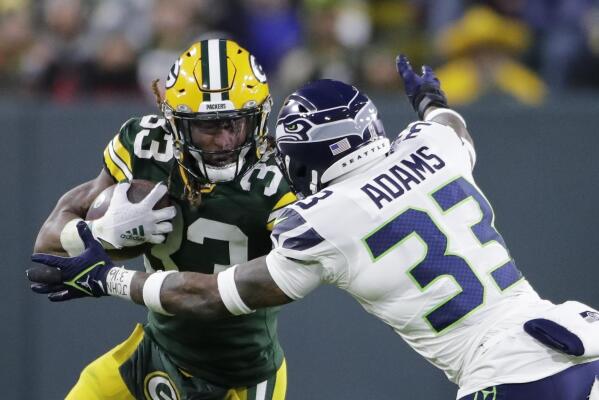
217 83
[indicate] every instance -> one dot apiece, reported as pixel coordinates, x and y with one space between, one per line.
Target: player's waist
457 350
501 346
228 363
238 336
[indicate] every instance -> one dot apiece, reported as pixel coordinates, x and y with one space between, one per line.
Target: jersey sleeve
118 154
268 179
442 138
285 198
301 258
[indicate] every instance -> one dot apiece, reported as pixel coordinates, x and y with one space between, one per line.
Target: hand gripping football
138 190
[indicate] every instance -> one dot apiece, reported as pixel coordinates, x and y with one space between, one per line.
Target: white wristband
118 282
229 294
70 240
151 291
432 114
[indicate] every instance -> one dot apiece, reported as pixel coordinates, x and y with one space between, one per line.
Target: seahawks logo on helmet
310 124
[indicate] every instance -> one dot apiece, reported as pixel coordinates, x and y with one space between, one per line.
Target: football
138 190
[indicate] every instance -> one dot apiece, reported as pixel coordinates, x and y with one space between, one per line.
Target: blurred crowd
523 49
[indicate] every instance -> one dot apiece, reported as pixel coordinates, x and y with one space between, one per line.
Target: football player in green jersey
210 147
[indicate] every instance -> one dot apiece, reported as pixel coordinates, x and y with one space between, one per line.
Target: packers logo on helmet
217 85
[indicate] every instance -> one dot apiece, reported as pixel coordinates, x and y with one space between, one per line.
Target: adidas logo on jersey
134 234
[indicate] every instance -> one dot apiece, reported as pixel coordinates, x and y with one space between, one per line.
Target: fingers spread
163 227
155 195
44 289
428 74
165 213
61 296
85 234
120 192
403 66
49 259
156 239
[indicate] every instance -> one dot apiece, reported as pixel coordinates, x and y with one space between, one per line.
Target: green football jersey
232 225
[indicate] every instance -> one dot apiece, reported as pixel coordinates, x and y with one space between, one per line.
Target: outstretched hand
423 90
66 278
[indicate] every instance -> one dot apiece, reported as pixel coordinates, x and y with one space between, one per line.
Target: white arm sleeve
295 278
467 145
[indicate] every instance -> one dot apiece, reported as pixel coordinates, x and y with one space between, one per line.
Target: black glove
423 91
66 278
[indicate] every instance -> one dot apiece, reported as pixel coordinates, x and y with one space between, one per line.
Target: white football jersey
412 240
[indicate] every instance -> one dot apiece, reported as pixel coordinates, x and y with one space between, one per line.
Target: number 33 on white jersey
413 240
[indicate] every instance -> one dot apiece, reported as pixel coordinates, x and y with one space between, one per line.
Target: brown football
138 190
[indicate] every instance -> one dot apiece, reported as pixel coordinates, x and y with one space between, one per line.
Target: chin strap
193 196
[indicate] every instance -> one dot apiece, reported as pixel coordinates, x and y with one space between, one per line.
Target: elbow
41 244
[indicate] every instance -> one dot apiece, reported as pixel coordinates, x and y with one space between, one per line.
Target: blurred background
525 74
65 50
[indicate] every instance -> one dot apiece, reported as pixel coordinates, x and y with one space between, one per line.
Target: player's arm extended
73 204
428 100
201 296
236 291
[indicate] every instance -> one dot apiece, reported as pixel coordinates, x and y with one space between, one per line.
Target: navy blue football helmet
326 129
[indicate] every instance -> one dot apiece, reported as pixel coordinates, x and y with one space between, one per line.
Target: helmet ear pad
302 180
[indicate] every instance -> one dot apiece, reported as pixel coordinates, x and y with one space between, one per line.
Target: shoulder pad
153 125
140 142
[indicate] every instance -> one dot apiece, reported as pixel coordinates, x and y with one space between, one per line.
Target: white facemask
223 173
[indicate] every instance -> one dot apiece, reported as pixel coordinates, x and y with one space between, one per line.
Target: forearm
73 204
188 294
238 290
48 238
198 295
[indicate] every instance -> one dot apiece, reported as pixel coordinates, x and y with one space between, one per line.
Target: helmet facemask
201 159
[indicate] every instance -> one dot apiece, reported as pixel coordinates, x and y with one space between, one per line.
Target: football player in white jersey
404 229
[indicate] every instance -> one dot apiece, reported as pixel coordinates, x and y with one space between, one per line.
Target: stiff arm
197 295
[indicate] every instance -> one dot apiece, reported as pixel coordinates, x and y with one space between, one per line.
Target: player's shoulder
142 148
312 212
145 129
424 130
292 230
265 177
429 136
